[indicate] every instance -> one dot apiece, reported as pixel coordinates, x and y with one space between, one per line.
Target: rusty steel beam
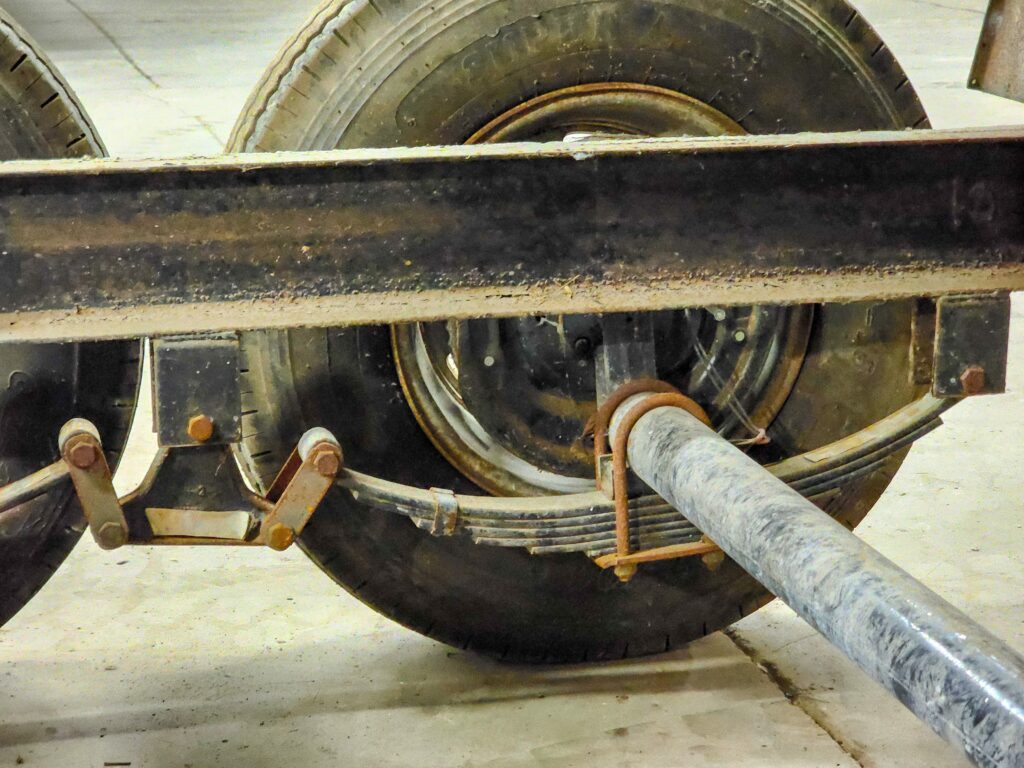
103 249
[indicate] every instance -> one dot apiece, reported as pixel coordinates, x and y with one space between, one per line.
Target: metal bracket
299 488
971 343
446 512
658 394
197 495
80 446
196 389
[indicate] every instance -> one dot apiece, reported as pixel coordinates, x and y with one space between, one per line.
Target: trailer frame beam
114 249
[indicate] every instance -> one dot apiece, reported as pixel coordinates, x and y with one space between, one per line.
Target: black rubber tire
43 385
409 72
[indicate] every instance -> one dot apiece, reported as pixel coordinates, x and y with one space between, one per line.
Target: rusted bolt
972 380
200 428
111 536
81 451
326 461
280 537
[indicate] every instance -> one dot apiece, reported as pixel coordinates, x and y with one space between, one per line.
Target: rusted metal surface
200 428
999 60
922 342
616 109
585 522
620 467
673 552
194 492
598 426
80 446
191 494
101 249
195 389
202 493
446 512
320 461
953 674
625 567
971 341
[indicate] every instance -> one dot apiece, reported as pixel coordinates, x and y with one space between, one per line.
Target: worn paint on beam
102 248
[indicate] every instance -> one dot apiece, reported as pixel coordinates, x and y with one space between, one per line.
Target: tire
407 72
43 385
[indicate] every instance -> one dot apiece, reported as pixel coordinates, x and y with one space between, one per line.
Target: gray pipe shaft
953 674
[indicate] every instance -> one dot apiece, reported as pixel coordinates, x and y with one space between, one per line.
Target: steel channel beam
950 672
103 249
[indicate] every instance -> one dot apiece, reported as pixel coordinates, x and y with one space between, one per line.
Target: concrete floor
194 657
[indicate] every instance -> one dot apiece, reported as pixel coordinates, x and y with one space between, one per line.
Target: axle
949 671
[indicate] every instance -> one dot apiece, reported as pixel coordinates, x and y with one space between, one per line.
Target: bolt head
200 428
111 535
280 537
326 462
972 380
82 453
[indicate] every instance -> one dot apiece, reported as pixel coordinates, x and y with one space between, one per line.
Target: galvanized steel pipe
956 676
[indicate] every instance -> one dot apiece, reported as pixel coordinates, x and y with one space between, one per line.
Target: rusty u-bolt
620 468
665 395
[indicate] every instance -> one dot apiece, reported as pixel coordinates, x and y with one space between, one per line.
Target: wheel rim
739 362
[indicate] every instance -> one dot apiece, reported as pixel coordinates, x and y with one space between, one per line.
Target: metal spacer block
196 393
971 342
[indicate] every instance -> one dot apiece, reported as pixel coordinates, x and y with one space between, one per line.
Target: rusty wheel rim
740 363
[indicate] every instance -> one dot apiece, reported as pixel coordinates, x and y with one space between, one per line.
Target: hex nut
200 428
713 560
625 572
81 452
280 537
326 462
111 535
972 380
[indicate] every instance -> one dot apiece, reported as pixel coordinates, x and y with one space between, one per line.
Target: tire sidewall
404 74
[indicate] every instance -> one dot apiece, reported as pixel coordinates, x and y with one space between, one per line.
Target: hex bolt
280 537
200 428
314 439
972 380
111 535
326 461
81 451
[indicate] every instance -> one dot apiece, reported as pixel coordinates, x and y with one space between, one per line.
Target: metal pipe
956 676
